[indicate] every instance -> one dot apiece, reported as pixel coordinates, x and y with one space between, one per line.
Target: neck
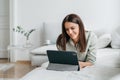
75 41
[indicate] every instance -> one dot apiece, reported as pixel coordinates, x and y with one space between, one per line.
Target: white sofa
38 55
108 56
105 56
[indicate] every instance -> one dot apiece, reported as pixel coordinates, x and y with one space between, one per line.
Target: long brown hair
64 37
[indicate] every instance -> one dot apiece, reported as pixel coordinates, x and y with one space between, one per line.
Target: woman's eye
66 29
72 28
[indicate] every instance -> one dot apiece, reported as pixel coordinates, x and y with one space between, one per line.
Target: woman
75 38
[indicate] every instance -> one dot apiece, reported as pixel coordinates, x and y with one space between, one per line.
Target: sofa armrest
43 49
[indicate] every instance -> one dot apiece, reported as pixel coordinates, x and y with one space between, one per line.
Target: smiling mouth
71 36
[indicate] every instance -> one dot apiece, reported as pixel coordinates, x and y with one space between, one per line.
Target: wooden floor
20 69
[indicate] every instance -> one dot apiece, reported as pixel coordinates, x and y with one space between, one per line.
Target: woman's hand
81 64
84 64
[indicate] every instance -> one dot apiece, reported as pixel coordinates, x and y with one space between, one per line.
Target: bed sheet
89 73
107 67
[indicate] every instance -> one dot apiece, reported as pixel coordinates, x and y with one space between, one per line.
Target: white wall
94 13
4 27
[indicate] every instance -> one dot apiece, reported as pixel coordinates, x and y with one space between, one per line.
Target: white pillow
42 50
45 64
103 40
116 77
108 57
116 38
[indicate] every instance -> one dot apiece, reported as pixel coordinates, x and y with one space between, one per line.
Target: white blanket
88 73
107 67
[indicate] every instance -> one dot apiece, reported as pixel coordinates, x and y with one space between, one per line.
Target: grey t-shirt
90 53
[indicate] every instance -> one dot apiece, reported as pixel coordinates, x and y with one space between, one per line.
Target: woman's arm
84 64
92 50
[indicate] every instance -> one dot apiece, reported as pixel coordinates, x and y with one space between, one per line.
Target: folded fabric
104 40
116 38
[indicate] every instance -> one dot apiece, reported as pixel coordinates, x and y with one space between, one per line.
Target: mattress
89 73
107 67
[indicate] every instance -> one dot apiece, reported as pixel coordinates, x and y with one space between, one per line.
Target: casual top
90 52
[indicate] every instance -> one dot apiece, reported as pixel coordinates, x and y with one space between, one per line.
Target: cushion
103 40
45 64
116 38
42 50
108 57
116 77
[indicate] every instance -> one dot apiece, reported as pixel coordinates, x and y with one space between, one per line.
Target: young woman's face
72 29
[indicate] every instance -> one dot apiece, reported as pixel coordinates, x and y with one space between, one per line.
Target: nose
70 31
